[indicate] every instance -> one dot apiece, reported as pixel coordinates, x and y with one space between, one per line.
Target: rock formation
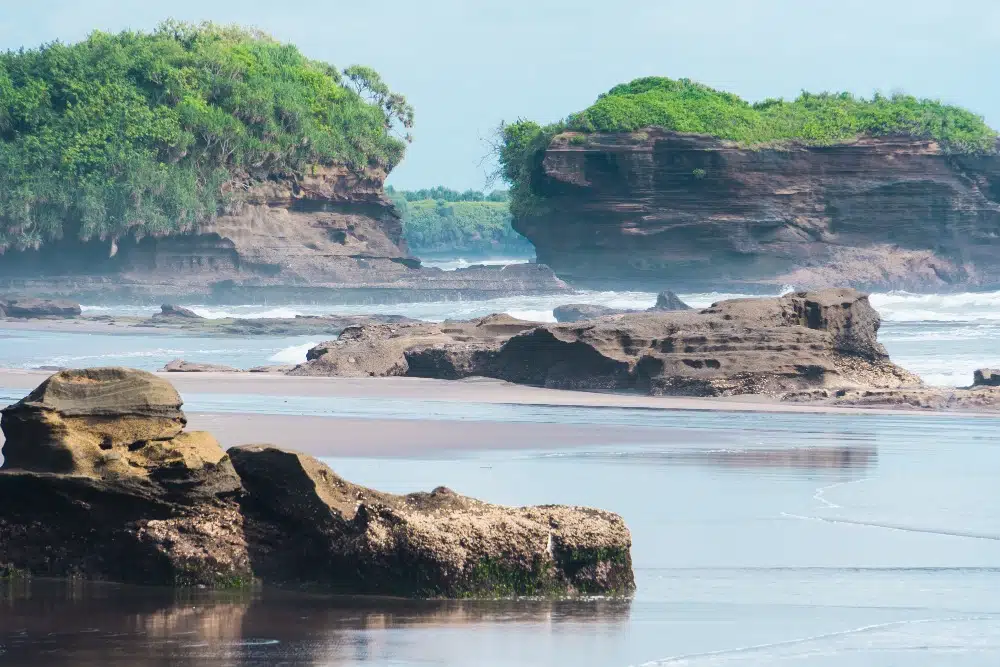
331 233
181 366
170 311
303 518
701 212
28 308
807 340
986 377
101 481
578 312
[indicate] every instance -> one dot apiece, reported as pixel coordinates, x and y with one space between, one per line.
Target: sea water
942 338
806 540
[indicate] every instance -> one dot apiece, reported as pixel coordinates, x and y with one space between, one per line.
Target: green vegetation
149 133
686 106
439 221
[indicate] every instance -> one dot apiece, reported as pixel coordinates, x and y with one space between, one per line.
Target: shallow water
817 540
942 338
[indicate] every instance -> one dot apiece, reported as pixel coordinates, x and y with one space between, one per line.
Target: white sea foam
296 354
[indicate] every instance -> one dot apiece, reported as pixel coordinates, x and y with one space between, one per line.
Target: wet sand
472 390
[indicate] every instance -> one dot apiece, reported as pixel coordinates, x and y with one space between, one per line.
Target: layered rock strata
101 481
808 340
652 206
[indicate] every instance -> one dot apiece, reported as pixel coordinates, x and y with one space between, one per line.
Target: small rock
986 377
170 310
669 301
181 366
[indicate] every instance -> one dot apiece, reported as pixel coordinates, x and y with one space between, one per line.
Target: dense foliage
686 106
470 223
447 194
149 133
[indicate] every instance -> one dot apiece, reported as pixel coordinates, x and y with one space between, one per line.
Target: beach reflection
100 623
845 457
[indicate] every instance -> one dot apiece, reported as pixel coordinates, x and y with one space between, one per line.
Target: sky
467 65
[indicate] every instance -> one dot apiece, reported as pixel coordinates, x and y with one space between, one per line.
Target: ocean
942 338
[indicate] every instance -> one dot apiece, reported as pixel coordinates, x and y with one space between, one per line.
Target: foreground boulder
28 308
304 520
101 481
807 340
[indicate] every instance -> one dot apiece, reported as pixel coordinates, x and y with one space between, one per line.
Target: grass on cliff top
687 106
149 133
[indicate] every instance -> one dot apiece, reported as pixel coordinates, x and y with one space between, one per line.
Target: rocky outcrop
579 312
986 377
637 209
306 519
801 341
101 481
449 350
181 366
29 308
331 234
170 311
667 301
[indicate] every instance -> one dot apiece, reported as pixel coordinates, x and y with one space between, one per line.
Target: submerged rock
580 312
29 308
101 481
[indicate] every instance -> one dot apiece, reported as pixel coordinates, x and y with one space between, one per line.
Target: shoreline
474 390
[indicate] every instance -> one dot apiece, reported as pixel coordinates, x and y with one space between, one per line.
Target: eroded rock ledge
100 480
803 341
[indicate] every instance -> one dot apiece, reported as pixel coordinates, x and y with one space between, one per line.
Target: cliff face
654 206
330 233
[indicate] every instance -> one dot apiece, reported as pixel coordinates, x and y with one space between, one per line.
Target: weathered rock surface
579 312
330 234
181 366
666 301
637 209
986 377
101 481
303 518
171 311
745 346
449 350
30 308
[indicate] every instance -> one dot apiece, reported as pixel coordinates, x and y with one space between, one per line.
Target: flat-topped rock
437 544
30 308
181 366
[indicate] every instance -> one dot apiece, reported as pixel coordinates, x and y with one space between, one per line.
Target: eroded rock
101 481
171 311
181 366
986 377
30 308
437 544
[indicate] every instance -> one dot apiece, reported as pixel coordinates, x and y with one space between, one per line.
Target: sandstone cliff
329 234
654 206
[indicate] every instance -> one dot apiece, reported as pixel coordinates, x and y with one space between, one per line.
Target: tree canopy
687 106
442 221
149 133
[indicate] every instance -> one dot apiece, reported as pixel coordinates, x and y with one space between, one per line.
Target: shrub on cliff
440 221
148 133
686 106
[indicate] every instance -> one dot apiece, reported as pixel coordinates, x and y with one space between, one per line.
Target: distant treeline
441 221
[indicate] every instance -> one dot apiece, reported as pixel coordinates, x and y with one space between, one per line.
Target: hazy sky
468 64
